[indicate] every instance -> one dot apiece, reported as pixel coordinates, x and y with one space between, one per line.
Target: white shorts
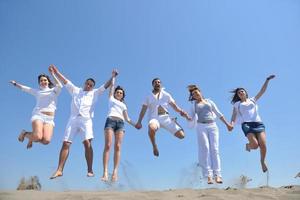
166 122
79 126
46 119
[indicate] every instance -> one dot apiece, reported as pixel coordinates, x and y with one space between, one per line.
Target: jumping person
43 113
158 102
203 113
114 126
80 121
246 111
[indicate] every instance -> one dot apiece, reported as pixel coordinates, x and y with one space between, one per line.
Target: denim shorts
253 127
115 124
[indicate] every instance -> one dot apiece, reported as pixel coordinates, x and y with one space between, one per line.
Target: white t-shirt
46 98
247 111
83 102
116 108
153 103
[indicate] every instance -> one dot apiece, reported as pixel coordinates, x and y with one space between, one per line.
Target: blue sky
218 45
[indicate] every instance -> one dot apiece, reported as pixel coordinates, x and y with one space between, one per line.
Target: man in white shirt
80 121
158 102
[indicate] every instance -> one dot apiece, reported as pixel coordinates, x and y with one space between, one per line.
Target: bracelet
15 84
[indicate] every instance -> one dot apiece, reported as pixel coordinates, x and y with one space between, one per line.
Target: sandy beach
282 193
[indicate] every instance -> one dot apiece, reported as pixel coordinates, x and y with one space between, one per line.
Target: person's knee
179 134
263 146
117 147
45 141
87 144
107 146
152 127
254 145
37 136
66 145
215 151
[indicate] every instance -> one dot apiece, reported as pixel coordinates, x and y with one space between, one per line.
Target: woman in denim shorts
245 110
114 126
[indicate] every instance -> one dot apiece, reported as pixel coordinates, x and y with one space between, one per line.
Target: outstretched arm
51 71
264 87
141 116
14 83
180 111
109 82
59 74
228 125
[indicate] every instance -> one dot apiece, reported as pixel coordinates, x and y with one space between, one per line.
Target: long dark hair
120 88
192 88
235 96
50 85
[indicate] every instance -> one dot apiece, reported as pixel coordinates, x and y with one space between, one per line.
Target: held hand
115 73
138 125
53 68
229 127
270 77
50 69
189 118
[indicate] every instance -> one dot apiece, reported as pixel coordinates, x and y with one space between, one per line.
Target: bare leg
35 136
253 143
179 134
263 150
117 154
151 132
47 134
63 156
108 134
89 156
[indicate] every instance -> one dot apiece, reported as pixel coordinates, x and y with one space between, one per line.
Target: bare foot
22 135
218 179
155 151
247 147
56 174
90 174
104 177
114 178
209 180
29 144
264 167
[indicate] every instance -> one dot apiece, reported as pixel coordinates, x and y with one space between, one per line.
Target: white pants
208 149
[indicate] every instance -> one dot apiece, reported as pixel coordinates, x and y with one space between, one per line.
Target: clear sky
218 45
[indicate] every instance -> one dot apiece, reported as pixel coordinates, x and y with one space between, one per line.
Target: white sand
282 193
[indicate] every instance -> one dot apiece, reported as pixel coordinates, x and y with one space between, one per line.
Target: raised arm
112 87
59 74
51 71
264 87
109 82
141 116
